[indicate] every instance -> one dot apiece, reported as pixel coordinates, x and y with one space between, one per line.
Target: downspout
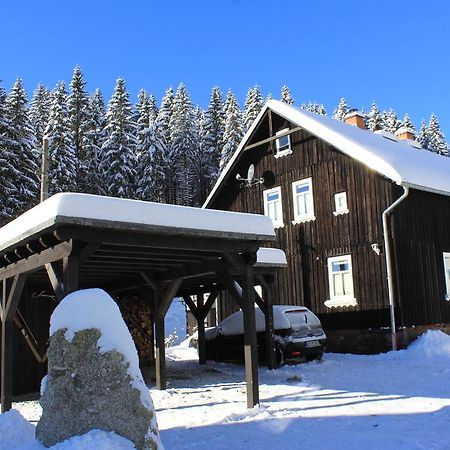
390 278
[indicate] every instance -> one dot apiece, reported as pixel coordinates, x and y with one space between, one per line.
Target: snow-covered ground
393 401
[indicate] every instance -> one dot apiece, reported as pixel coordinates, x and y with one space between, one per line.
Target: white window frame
340 300
446 274
300 217
286 151
338 209
277 222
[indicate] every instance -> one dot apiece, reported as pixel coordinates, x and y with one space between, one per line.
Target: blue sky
395 52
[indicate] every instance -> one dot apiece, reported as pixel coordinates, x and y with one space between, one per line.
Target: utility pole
44 169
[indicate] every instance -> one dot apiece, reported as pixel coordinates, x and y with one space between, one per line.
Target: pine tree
422 137
437 142
63 163
286 96
119 149
390 122
39 111
93 139
153 108
314 107
182 147
374 121
19 159
253 105
214 127
341 111
78 108
407 123
234 129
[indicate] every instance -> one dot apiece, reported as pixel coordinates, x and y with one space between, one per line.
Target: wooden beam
7 364
231 287
272 138
208 305
192 306
55 276
167 297
87 251
70 274
250 344
201 331
15 294
37 261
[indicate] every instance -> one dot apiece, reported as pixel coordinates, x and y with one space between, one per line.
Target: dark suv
298 336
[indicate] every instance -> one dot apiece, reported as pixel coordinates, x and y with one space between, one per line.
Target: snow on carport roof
397 161
70 208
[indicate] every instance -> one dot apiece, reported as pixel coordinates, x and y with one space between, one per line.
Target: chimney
404 133
355 117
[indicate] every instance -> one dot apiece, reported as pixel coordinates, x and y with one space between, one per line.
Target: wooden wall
308 245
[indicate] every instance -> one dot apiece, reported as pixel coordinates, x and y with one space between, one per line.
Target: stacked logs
138 318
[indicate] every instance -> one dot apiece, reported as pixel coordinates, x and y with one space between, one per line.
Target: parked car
298 336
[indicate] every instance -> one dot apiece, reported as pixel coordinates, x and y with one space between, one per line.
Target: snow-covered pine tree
341 111
234 128
24 146
214 127
119 162
39 111
201 159
437 142
407 122
422 136
374 121
182 147
78 108
63 163
153 108
93 138
390 122
314 107
253 105
286 96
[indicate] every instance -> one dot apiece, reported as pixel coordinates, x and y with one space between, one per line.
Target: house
363 217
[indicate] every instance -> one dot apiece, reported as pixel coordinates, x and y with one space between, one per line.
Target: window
447 275
283 143
272 206
303 200
340 280
340 203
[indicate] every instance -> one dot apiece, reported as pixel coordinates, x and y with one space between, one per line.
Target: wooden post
250 348
201 330
160 357
270 343
44 169
70 274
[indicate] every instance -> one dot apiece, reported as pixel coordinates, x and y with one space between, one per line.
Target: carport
78 241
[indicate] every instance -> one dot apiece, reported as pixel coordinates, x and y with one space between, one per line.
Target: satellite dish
250 173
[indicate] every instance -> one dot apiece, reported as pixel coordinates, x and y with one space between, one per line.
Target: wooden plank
55 276
209 303
250 347
87 250
15 294
37 261
168 295
7 364
272 138
192 306
230 285
70 274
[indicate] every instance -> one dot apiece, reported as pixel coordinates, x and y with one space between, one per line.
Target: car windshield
301 317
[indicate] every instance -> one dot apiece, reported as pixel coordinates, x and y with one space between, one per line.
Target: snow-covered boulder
93 380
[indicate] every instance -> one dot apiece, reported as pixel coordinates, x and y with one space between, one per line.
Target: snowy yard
393 401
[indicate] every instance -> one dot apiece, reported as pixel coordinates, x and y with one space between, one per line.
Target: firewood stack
138 318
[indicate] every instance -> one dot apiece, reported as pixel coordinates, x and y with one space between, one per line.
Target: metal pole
44 169
388 253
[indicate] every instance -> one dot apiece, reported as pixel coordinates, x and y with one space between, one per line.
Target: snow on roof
270 257
69 208
403 164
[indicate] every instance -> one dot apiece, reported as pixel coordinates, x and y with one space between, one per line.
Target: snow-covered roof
270 257
135 215
403 164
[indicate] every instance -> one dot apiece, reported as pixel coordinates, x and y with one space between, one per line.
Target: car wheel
279 355
317 357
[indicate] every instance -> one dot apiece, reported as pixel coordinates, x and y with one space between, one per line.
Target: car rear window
301 317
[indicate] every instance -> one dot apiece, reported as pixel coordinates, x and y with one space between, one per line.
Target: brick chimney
404 133
357 118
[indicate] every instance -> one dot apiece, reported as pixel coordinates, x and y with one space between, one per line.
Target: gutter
390 278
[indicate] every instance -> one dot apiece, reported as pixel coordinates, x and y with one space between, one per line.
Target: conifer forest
169 151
